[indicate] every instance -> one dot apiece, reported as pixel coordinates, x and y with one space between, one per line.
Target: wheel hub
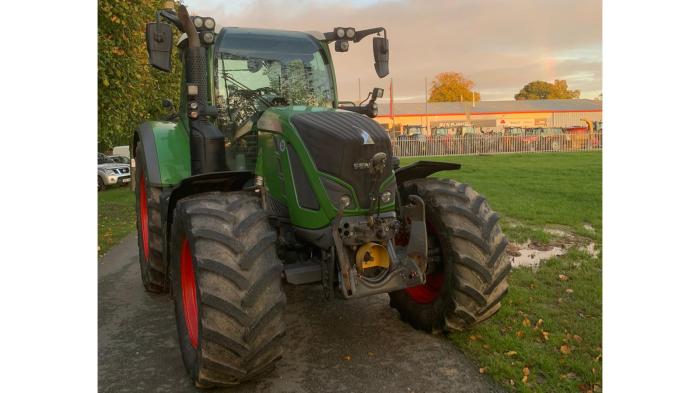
430 291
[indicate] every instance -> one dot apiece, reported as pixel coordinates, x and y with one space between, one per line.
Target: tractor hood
341 144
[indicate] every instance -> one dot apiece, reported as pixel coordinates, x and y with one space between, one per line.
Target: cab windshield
256 69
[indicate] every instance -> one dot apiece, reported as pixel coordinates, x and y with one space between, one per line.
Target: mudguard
422 169
166 148
208 182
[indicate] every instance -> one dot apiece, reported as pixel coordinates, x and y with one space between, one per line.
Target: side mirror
159 43
381 56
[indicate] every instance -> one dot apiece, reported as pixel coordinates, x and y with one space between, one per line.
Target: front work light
208 37
198 22
209 23
340 32
350 32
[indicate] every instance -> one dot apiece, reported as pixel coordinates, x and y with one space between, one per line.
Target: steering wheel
276 100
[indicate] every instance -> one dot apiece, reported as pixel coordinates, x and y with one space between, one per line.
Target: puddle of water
531 257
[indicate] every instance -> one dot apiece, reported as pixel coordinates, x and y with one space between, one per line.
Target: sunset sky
500 44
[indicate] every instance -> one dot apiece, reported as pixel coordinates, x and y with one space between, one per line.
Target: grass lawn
116 217
547 337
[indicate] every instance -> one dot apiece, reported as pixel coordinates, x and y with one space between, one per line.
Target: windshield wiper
239 84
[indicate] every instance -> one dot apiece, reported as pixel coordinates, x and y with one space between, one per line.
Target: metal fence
496 144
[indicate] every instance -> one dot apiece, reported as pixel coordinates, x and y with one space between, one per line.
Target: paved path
138 350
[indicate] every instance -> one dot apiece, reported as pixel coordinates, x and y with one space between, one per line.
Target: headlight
340 32
344 45
386 196
345 201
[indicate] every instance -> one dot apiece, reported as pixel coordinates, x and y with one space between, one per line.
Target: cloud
500 44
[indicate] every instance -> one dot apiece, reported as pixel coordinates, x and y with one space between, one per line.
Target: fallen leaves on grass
563 277
585 388
526 373
347 358
511 353
577 338
545 335
569 290
526 322
565 349
520 334
483 370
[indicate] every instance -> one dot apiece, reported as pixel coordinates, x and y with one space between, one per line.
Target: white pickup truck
110 172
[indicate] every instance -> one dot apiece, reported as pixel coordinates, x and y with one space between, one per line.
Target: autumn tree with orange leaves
452 87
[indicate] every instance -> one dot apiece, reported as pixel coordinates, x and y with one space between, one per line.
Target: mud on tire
238 328
149 230
472 258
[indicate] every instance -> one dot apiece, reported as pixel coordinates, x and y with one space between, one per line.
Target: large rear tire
226 282
468 268
150 237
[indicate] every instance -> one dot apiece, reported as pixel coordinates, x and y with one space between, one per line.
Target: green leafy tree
452 87
541 90
129 90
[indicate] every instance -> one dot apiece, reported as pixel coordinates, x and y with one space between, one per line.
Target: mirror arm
171 17
360 34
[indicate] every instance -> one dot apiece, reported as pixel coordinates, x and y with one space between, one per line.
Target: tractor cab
258 69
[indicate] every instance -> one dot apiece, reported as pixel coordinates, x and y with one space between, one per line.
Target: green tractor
263 176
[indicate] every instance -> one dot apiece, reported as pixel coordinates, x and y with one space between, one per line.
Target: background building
488 116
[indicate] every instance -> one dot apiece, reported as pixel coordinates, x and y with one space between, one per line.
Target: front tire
226 282
100 184
468 280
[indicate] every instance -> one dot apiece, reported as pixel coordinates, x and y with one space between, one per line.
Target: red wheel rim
143 210
188 288
430 291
